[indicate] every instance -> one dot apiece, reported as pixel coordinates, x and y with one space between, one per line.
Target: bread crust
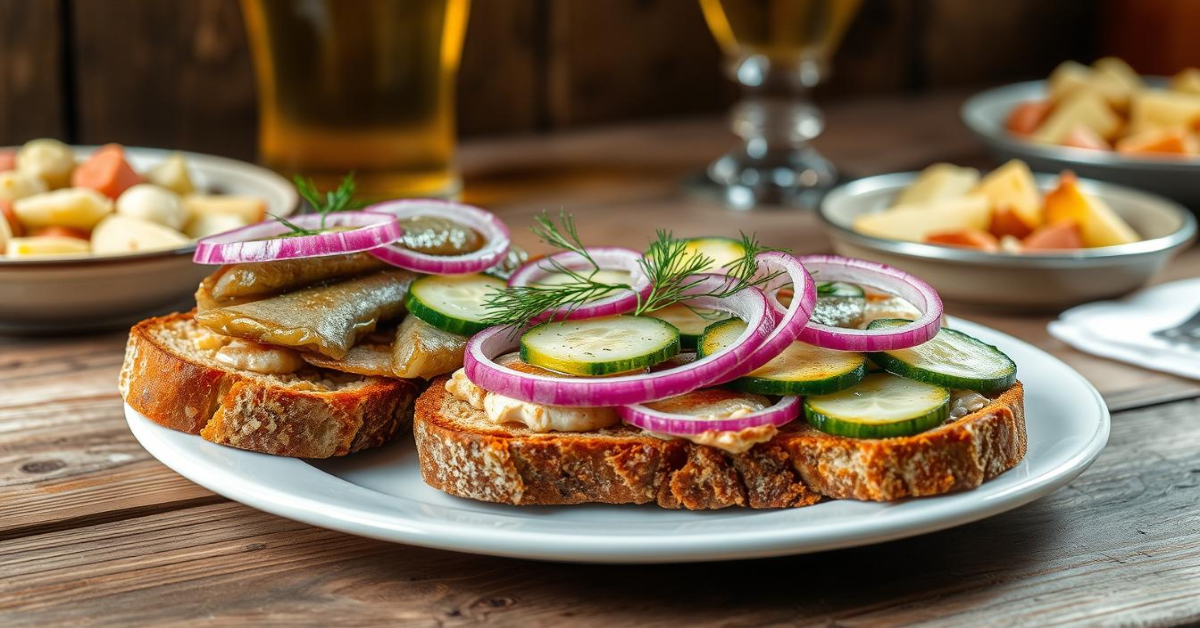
253 412
463 455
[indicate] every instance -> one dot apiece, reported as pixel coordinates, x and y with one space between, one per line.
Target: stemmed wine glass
776 50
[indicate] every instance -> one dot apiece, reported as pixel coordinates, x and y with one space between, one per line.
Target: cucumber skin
829 385
907 371
849 429
439 320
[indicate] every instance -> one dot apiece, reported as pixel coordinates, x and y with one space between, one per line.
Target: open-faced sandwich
712 373
301 343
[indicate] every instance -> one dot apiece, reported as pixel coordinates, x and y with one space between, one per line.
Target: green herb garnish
341 199
667 263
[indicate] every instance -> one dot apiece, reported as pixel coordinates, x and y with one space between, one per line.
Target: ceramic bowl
985 114
64 295
1029 282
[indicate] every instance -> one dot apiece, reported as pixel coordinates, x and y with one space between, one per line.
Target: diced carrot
106 171
60 232
1007 222
1082 136
968 238
1026 117
8 160
1056 236
1159 142
6 213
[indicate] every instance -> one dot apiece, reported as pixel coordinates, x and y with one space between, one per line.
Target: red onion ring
750 305
494 232
608 258
782 412
880 277
790 322
257 242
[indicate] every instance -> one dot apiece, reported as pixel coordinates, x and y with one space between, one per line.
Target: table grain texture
93 531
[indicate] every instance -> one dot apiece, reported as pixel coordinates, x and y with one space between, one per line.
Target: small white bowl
85 293
1028 281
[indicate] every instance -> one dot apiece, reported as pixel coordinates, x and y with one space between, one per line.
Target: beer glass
362 85
776 50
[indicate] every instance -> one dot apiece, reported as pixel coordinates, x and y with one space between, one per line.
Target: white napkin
1121 330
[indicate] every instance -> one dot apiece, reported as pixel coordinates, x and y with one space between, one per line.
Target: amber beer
362 85
787 32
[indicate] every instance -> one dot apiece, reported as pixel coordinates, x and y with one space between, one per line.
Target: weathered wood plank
32 99
66 456
499 83
1119 546
172 74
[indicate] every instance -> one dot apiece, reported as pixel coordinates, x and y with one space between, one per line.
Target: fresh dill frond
333 201
296 230
667 263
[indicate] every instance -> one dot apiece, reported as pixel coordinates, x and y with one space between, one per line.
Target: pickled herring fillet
422 350
364 358
325 319
439 236
260 279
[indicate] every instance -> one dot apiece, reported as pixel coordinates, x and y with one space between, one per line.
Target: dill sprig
667 263
333 201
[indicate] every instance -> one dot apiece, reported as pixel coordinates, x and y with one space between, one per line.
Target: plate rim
640 548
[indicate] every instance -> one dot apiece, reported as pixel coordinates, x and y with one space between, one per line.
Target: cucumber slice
720 249
609 277
801 369
691 322
600 346
839 289
952 359
452 303
882 406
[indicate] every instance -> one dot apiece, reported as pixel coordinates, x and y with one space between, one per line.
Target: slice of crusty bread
463 454
171 378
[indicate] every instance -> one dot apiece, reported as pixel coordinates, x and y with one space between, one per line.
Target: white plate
380 494
71 294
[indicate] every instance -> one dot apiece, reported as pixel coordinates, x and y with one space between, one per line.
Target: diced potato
154 203
1026 117
1012 186
917 222
172 173
125 234
41 246
1080 136
250 208
80 208
211 223
939 181
1098 224
50 160
1187 81
15 184
9 218
6 234
1071 79
1084 108
1159 142
1156 109
1119 71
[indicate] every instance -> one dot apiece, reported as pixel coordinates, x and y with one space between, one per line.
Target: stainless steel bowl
985 114
1030 282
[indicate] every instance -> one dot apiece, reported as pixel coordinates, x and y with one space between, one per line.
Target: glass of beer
359 85
776 50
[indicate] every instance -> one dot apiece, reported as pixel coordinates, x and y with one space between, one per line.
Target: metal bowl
985 114
91 292
1028 282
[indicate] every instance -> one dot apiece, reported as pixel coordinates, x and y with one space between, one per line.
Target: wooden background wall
177 73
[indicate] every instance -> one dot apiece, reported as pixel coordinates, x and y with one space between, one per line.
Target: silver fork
1187 332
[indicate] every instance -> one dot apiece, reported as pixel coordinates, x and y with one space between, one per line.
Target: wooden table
93 530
